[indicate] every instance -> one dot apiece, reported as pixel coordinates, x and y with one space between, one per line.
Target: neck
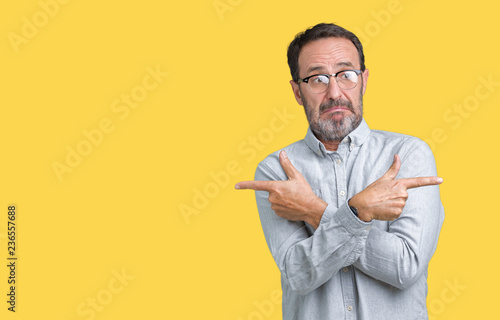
331 145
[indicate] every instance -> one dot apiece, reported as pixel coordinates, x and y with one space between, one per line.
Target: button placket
339 164
340 177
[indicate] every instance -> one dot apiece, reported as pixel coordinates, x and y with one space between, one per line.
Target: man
351 215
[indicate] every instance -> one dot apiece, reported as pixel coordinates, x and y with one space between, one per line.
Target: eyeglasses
318 83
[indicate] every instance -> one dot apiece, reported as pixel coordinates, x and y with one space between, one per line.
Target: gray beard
333 130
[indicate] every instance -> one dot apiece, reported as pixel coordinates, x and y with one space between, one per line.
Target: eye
319 79
348 75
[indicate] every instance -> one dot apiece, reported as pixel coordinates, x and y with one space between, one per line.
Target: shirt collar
356 138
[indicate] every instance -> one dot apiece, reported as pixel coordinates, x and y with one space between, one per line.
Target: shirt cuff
346 218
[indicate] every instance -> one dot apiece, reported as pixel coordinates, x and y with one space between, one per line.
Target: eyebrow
339 64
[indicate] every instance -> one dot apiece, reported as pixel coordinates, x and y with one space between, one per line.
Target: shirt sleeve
306 260
400 255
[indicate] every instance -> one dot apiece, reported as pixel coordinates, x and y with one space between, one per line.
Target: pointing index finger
255 185
421 182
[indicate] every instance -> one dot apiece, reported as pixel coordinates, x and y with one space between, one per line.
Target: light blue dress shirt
347 268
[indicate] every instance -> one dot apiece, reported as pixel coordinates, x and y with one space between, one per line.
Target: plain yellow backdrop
124 126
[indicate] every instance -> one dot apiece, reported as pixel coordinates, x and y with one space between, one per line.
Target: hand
292 199
385 198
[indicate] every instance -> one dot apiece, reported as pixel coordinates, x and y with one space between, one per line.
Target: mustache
336 103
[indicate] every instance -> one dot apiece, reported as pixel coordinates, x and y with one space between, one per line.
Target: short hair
320 31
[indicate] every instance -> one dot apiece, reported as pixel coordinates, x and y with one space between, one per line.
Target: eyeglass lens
346 80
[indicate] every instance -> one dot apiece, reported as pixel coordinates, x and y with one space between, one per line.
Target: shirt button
345 269
342 193
351 147
339 161
349 308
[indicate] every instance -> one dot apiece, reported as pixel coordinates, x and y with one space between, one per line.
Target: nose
333 91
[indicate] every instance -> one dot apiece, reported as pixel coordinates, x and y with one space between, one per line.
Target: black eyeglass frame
306 79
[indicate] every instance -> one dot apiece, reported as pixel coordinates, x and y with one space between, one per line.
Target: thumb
394 169
287 165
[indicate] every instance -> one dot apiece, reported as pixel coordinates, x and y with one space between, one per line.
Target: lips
336 109
336 106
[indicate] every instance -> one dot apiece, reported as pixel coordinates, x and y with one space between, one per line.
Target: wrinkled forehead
329 55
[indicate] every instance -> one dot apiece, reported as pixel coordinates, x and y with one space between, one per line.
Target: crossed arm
294 199
397 256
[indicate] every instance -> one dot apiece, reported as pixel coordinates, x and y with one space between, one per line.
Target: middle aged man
351 215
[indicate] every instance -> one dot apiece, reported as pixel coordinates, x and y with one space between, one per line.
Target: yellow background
119 208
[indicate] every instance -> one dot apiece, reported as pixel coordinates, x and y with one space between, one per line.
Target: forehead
329 54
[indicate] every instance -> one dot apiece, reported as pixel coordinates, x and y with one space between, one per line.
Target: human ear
296 92
365 79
